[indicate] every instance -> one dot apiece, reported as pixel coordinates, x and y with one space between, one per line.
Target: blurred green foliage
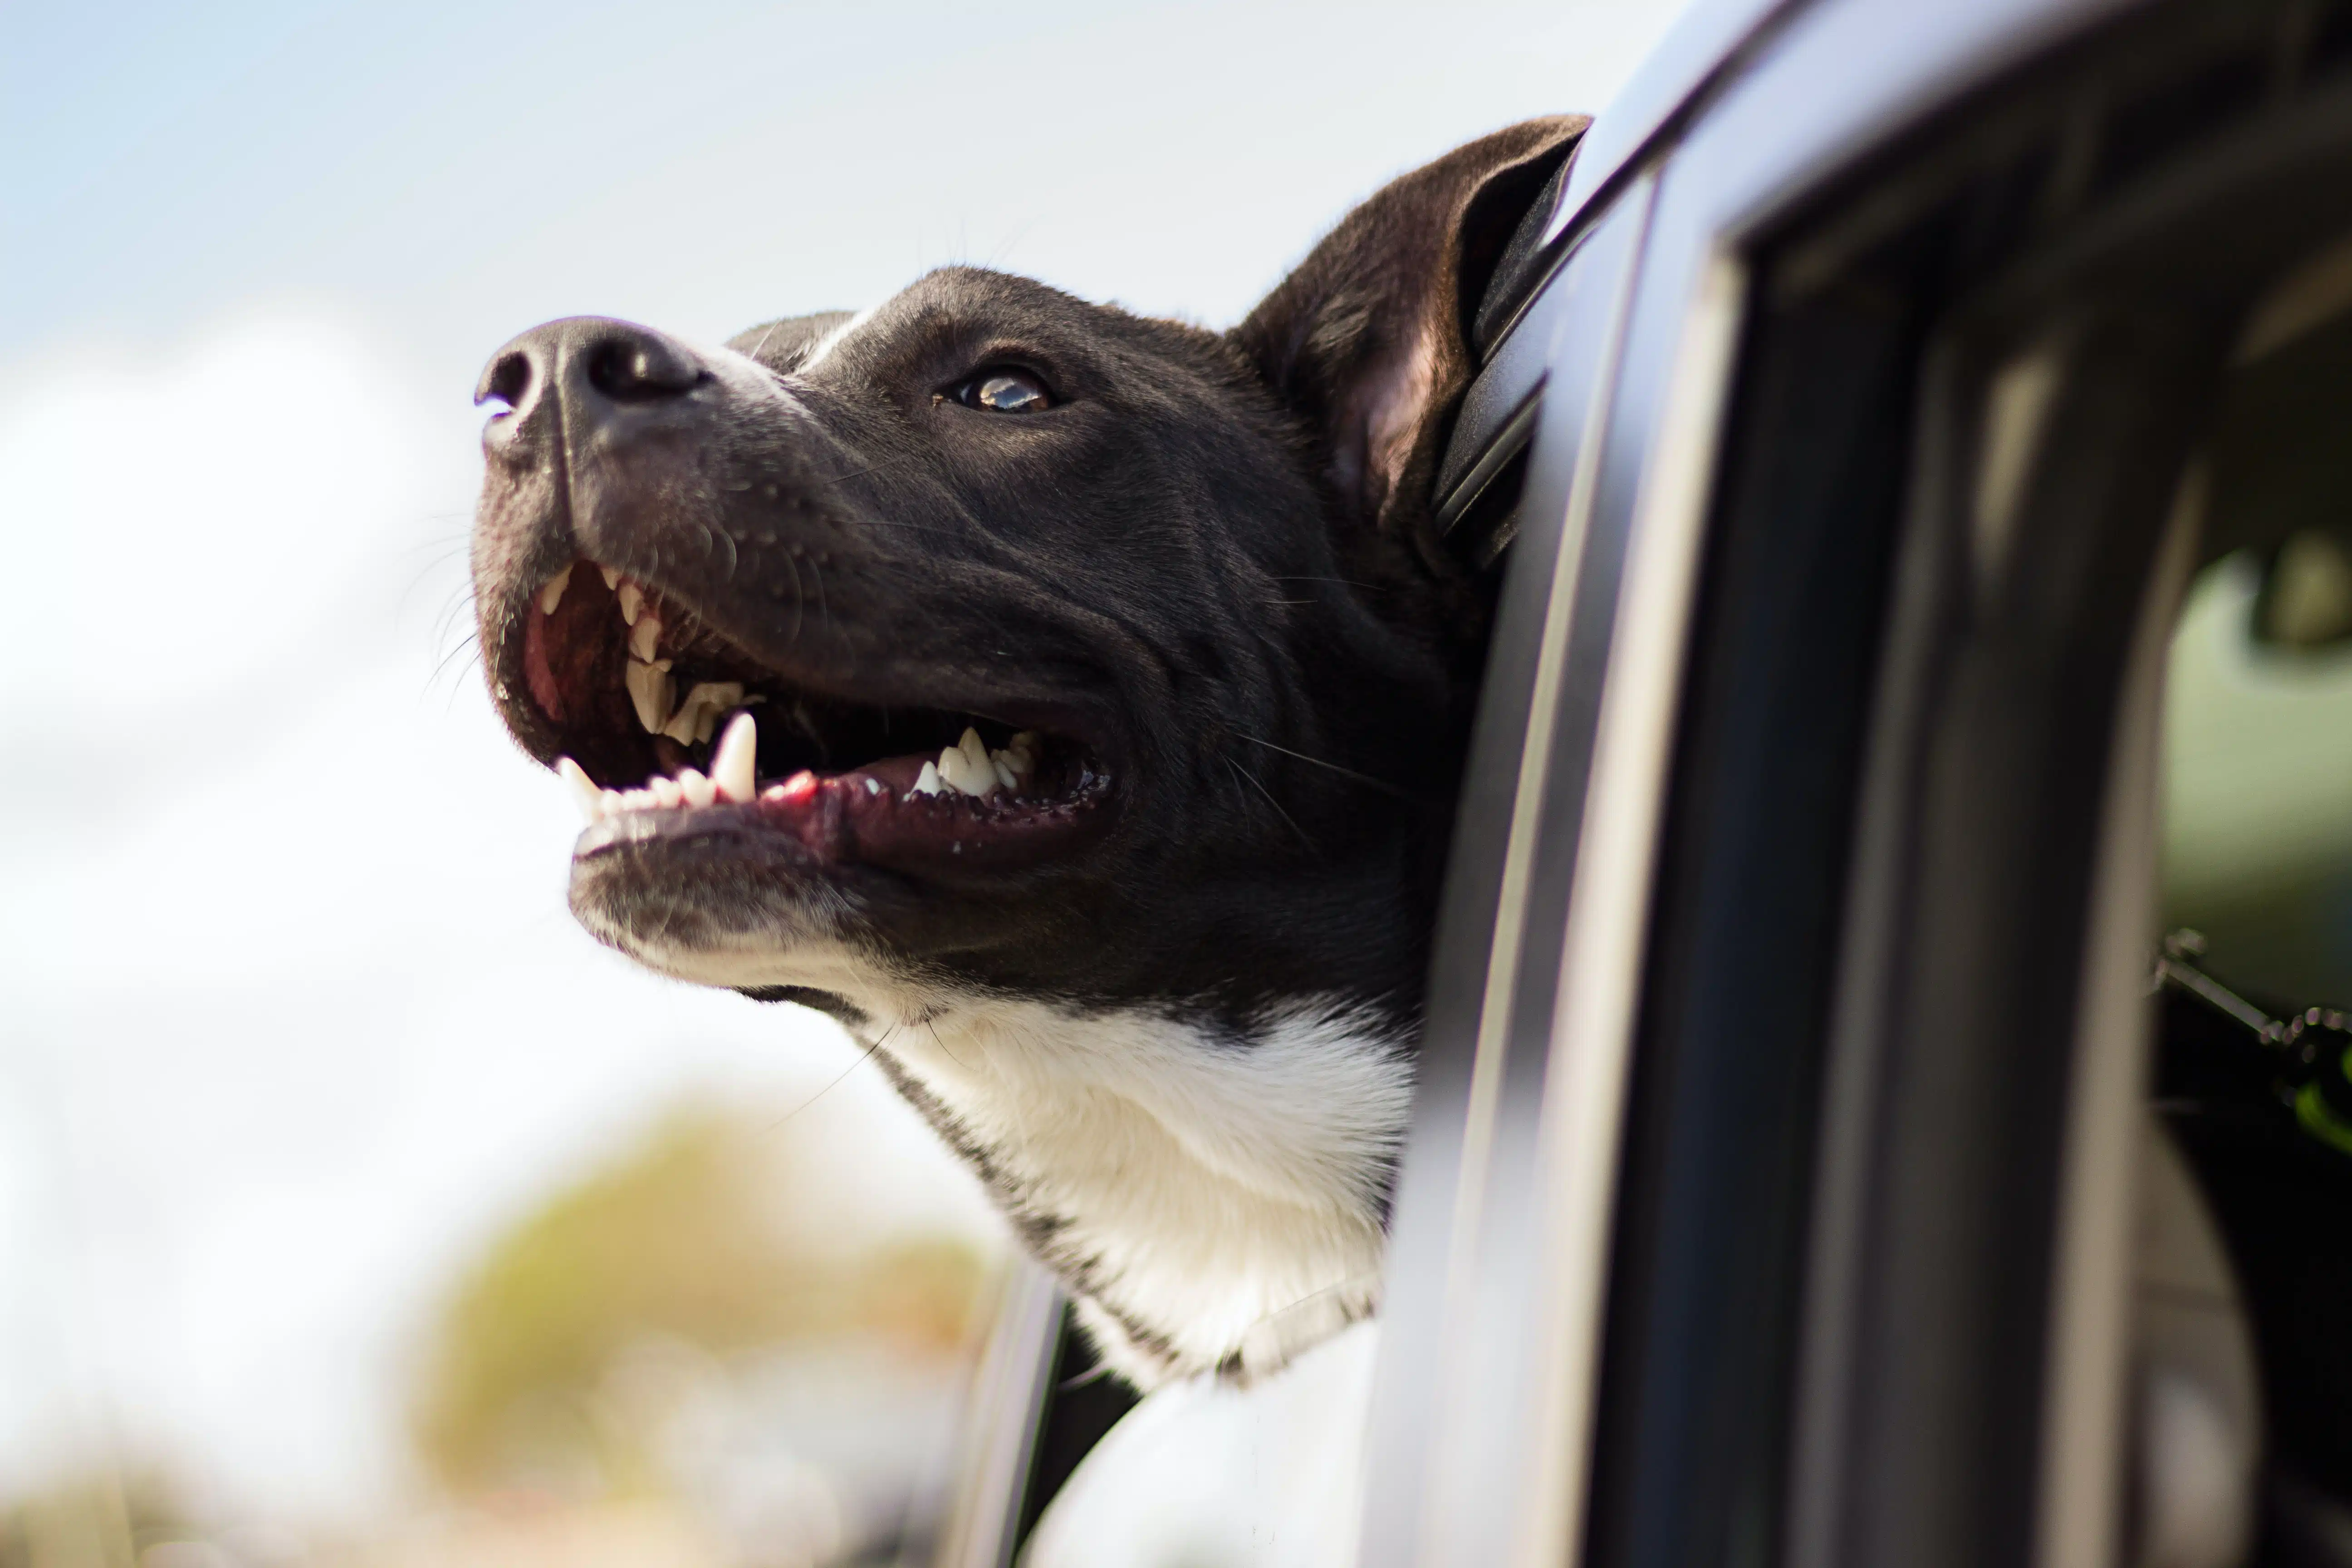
690 1236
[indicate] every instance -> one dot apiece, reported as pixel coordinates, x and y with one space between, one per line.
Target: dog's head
994 639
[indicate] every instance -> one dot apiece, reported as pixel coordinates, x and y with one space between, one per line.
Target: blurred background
354 1208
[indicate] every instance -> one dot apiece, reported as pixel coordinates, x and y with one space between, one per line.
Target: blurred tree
696 1235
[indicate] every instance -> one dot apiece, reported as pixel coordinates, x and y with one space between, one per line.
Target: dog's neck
1213 1197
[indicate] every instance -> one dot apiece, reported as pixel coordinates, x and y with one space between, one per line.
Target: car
1814 1161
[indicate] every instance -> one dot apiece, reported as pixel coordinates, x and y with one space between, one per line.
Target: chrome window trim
1002 1415
1440 1440
2082 1423
1601 959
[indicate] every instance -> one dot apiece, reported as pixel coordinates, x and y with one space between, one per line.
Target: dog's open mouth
670 730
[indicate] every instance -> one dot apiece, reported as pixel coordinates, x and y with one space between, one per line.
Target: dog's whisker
764 339
1343 582
911 527
863 1057
1251 778
932 1025
459 657
885 465
1365 779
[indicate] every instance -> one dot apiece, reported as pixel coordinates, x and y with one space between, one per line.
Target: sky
293 1015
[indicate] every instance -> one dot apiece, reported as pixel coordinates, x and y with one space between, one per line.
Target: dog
1069 702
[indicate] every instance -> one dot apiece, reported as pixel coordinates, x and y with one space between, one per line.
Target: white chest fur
1213 1198
1216 1200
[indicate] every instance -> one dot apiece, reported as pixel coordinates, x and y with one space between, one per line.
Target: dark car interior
2081 348
2254 1075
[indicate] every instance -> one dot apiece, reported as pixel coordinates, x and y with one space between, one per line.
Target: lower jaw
852 819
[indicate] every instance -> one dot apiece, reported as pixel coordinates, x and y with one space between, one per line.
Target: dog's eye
1005 392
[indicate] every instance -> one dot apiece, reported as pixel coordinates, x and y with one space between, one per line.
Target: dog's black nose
589 366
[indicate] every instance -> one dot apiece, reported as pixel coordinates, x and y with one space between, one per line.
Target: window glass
2245 1377
2258 841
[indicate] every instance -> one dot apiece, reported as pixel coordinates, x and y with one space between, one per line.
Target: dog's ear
1368 340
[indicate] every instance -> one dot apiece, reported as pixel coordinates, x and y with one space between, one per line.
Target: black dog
1071 703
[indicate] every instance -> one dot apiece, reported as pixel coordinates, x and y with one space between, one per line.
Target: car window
2243 1396
2257 764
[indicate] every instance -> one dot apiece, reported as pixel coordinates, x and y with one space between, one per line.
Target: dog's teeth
733 768
632 602
1002 763
651 691
697 790
643 636
873 786
609 802
551 594
966 765
612 576
592 799
641 799
960 774
926 781
666 791
698 716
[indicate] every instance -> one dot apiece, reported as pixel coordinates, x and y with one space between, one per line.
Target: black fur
1202 560
1208 568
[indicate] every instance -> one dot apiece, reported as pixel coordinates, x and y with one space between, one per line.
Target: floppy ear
1368 340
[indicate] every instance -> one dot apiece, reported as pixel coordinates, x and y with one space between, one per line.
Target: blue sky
456 172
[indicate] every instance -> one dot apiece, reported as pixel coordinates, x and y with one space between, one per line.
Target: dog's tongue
871 814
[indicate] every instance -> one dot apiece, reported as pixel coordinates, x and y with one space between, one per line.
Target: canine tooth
651 691
734 766
551 594
667 792
960 774
697 790
973 748
926 781
612 575
632 602
643 636
592 799
698 716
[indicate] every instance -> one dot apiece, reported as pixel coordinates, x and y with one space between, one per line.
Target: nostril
508 379
640 369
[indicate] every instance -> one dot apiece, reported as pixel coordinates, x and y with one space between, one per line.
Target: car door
1778 1204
